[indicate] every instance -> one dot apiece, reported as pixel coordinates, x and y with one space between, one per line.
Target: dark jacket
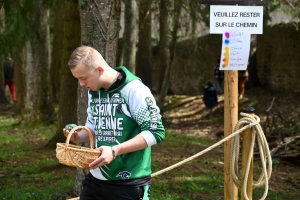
210 97
219 74
8 66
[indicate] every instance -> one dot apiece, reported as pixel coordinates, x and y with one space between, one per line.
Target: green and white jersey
119 115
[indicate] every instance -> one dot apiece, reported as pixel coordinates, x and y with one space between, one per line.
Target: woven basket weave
77 156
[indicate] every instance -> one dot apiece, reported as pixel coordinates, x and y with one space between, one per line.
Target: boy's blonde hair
82 54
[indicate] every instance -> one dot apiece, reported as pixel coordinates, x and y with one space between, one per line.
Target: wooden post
230 120
247 139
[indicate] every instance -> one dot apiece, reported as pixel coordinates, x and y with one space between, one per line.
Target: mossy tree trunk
100 25
67 112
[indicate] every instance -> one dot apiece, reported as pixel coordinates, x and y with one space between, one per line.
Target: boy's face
89 78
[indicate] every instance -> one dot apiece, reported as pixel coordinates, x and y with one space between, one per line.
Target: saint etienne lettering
107 119
109 123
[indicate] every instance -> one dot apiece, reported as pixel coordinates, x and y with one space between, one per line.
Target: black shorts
95 189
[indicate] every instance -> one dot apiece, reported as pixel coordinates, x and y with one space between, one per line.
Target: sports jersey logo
124 175
115 95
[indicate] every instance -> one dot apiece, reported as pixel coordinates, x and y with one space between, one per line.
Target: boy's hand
74 138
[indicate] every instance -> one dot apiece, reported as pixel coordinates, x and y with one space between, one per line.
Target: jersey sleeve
145 112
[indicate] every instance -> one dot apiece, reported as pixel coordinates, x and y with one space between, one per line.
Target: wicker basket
74 155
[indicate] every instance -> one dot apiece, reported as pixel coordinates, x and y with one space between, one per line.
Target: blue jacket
210 97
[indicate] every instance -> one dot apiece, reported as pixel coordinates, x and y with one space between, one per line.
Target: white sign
241 18
235 50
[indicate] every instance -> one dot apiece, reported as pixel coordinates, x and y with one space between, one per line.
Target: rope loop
248 121
252 122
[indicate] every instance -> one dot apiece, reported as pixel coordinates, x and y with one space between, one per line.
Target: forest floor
186 115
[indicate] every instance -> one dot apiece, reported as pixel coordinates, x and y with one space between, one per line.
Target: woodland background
166 43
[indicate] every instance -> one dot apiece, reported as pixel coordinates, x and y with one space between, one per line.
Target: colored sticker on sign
226 54
235 50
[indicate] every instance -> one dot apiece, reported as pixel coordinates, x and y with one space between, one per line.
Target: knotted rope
246 122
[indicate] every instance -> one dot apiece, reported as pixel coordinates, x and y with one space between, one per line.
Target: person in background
125 121
219 76
210 97
242 79
8 67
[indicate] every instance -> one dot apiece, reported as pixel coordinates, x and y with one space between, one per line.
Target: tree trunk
57 50
38 102
19 57
68 84
163 40
130 35
3 99
100 25
166 80
17 50
144 53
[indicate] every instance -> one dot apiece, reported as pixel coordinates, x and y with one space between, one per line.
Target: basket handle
76 128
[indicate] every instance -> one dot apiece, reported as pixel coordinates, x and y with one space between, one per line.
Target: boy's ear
100 69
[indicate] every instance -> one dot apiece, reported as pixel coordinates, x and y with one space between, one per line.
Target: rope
247 122
264 155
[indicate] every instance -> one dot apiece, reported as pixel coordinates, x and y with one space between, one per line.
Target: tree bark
3 99
68 84
163 40
57 50
144 53
17 50
19 57
130 35
100 25
38 102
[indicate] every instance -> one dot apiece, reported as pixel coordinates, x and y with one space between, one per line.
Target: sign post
236 23
230 120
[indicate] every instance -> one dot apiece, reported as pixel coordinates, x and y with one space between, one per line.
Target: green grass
190 180
27 169
30 171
